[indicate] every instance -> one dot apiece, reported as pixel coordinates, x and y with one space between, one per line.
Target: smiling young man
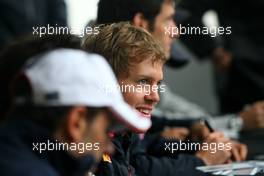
147 74
141 71
157 17
137 60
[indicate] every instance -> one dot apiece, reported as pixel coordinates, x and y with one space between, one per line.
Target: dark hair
124 10
49 117
13 57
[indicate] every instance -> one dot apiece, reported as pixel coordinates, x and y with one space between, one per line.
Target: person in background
236 52
19 18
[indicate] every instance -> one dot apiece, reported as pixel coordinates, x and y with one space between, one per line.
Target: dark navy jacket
131 159
17 157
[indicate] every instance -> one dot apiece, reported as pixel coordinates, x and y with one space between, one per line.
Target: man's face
164 20
96 133
144 76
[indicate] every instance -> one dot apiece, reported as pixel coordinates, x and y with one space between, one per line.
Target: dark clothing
156 146
159 123
19 17
244 83
131 159
19 158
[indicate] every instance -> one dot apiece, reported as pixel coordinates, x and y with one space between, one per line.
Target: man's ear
139 21
76 123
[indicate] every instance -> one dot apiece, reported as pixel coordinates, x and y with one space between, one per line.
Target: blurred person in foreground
15 54
59 120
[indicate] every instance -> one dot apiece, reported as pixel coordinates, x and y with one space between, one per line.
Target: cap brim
130 118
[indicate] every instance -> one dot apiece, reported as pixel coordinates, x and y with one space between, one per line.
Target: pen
205 122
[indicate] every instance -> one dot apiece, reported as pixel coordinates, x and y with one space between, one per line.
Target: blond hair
123 44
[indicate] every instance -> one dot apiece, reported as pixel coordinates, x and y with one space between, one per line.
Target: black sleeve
146 165
135 161
159 123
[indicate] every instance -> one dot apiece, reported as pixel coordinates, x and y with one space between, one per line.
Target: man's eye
143 81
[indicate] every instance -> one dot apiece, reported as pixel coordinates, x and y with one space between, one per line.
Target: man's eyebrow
147 77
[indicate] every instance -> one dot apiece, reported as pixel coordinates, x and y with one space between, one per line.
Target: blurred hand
179 133
222 59
239 151
216 155
199 131
253 116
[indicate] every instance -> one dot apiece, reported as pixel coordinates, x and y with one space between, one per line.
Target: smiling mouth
144 112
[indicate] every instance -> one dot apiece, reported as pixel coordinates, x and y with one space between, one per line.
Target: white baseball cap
70 77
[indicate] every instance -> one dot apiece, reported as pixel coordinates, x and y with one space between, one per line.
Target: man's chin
147 116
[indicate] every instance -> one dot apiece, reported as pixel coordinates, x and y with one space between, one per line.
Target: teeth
145 111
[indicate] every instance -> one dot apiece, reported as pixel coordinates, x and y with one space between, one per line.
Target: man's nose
153 96
175 34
